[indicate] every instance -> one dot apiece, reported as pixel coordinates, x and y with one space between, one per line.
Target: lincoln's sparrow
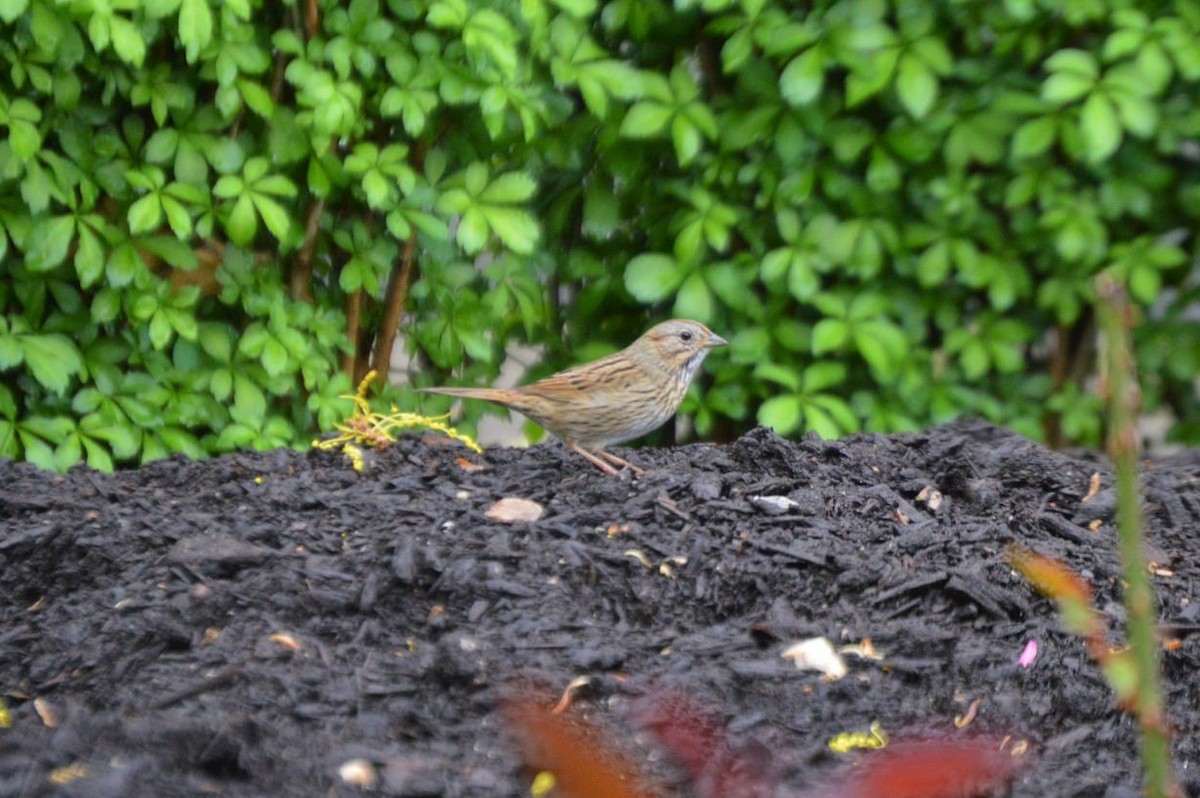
613 399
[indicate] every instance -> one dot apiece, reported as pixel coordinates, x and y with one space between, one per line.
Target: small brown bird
616 398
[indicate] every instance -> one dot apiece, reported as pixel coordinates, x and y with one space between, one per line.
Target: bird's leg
593 459
612 458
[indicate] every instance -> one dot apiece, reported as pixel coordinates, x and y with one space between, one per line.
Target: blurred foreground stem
1121 390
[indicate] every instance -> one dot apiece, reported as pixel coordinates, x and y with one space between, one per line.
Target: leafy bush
215 216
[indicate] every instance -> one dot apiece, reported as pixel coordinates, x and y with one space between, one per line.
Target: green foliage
895 211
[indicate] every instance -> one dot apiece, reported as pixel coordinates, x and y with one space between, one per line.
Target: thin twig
1124 400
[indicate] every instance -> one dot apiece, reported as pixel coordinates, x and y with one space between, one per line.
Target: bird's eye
685 335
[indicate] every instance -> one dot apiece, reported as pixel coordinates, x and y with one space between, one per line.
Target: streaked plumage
616 398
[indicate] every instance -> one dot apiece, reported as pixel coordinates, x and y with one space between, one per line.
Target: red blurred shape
935 768
573 750
698 743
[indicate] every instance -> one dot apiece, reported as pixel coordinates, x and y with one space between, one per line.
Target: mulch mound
246 625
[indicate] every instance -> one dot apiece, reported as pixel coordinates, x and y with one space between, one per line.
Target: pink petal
1029 654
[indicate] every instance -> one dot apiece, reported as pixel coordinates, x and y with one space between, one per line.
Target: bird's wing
592 384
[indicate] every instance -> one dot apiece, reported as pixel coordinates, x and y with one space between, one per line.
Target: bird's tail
489 394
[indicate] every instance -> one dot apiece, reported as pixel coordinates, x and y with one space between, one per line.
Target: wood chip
963 721
46 712
817 654
931 496
511 510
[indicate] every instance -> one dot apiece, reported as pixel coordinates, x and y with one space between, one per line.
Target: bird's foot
612 458
595 459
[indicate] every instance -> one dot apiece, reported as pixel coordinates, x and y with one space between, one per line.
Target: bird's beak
714 341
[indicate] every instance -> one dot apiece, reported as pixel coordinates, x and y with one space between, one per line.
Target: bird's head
679 345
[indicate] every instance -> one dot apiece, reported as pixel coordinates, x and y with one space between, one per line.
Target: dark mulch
140 607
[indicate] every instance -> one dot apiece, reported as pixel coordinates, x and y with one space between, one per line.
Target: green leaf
157 9
1145 284
145 214
509 189
68 453
51 240
183 322
228 187
823 375
601 211
226 156
974 359
802 280
515 227
1065 88
652 277
249 402
472 232
127 40
786 376
694 299
818 419
687 139
273 215
160 330
178 217
195 27
882 345
1034 137
173 251
646 119
215 339
274 357
803 78
11 353
11 9
1074 62
106 306
1100 127
278 185
934 265
829 335
221 384
747 346
123 439
52 360
916 85
35 188
242 224
1138 115
253 340
89 258
1122 42
257 98
24 137
781 413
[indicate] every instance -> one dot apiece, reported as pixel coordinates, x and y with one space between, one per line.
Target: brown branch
277 75
301 281
312 18
394 302
710 66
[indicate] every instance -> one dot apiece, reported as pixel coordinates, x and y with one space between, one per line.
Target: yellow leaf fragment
370 428
848 741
